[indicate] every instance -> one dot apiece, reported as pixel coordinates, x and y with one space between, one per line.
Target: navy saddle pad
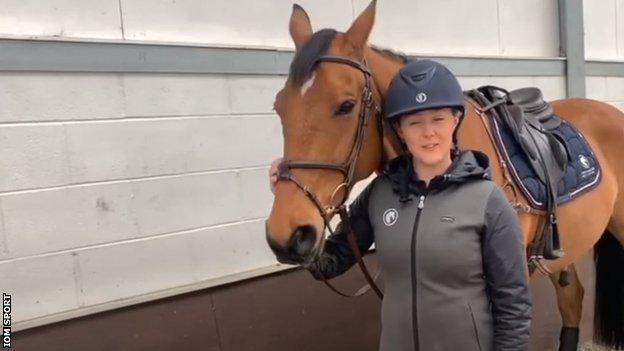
582 175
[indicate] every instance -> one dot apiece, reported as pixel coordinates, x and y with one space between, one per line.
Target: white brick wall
167 261
61 18
41 96
237 22
31 155
620 27
604 29
483 27
144 181
495 27
132 149
175 95
529 28
35 155
47 284
40 286
66 218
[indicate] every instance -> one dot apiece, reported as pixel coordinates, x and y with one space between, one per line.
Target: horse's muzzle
300 247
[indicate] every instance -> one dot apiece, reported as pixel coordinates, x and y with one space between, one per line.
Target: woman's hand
273 174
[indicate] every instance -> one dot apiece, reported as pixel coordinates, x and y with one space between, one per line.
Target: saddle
530 120
533 105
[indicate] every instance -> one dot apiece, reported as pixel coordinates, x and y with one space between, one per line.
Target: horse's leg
609 311
570 301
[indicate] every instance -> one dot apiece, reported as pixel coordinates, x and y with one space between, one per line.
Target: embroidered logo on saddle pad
584 161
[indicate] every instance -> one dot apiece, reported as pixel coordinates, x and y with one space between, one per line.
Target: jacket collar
466 166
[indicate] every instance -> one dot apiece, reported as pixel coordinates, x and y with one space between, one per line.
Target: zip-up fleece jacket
451 254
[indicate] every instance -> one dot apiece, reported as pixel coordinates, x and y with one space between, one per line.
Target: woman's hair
457 112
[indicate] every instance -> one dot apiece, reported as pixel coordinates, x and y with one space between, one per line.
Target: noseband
347 168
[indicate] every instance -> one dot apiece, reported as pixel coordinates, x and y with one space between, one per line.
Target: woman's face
428 134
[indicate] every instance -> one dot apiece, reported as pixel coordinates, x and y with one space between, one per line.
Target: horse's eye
345 108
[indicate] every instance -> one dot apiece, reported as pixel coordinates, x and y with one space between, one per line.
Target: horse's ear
300 26
362 26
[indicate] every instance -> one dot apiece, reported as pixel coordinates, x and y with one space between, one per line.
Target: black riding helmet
422 85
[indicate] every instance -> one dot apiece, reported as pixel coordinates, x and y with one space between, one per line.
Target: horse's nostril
304 239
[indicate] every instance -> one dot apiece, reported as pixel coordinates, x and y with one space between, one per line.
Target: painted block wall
493 27
604 29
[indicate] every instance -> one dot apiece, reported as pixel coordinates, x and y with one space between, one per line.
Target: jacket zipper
421 205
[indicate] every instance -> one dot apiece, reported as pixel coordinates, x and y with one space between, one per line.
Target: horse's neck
383 70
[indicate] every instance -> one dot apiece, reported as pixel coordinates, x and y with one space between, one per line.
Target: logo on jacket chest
447 219
390 216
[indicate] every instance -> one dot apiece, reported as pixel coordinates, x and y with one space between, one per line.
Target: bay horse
319 108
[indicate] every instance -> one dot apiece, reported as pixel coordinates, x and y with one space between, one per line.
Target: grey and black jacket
451 254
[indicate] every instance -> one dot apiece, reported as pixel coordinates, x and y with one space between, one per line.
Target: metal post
571 38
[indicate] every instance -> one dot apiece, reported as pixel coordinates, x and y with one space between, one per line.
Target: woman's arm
506 274
338 257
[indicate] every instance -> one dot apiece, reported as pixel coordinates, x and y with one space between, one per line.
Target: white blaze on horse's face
308 84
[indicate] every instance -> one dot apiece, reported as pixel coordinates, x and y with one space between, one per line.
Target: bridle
347 168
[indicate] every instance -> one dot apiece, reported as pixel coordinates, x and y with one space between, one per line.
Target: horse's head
328 93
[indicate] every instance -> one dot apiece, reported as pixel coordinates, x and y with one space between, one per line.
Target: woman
448 242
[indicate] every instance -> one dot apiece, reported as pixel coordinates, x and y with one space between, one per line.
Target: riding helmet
422 85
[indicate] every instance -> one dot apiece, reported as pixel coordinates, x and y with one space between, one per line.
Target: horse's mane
394 55
303 62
